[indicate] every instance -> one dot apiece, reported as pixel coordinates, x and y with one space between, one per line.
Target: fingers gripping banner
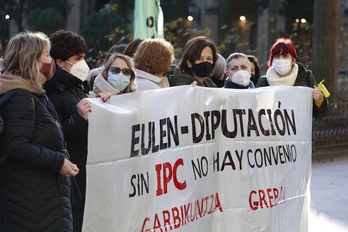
200 159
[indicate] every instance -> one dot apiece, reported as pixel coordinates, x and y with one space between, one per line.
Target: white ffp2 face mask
80 69
241 77
282 66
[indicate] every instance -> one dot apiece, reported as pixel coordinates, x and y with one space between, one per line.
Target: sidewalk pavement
329 195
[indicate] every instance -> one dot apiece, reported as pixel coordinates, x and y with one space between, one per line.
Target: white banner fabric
200 159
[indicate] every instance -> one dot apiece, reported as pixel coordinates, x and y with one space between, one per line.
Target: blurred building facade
255 33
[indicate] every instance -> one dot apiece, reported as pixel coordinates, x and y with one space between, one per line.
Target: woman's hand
84 107
104 96
317 96
69 169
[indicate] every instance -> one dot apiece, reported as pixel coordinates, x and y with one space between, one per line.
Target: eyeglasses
117 70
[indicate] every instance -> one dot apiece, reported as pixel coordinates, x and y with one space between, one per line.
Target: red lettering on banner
165 173
179 216
266 198
176 217
157 224
166 219
144 223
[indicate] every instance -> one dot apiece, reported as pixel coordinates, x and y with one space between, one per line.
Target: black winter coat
186 79
33 195
65 91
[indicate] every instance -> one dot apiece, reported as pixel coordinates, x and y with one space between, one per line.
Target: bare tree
325 51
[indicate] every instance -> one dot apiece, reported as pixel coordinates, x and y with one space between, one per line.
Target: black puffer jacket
65 91
33 195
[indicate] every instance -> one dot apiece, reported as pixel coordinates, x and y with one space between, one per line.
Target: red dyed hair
282 47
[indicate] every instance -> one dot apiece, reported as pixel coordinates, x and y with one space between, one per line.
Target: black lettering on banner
225 131
166 129
139 184
194 118
201 168
153 136
207 134
268 156
215 121
135 140
252 124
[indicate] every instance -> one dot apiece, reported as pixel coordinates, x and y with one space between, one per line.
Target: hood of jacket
11 82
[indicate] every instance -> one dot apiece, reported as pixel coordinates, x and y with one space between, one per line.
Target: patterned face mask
48 69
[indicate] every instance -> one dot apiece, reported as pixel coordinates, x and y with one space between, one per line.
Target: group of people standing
44 106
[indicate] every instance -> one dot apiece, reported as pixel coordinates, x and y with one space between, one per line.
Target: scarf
11 82
162 82
273 77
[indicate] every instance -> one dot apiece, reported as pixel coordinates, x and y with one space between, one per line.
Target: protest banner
200 159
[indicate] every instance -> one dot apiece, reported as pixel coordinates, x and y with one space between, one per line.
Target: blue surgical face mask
118 81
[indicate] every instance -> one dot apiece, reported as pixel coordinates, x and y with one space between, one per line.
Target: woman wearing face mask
284 70
34 175
117 77
238 72
65 90
197 63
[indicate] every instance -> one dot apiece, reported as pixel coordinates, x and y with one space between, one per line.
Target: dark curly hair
65 44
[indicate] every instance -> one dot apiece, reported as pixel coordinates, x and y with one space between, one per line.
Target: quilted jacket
65 91
33 195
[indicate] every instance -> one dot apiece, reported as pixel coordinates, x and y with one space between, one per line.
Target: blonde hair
154 56
22 54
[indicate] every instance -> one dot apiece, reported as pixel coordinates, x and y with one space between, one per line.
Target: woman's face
236 65
206 56
119 65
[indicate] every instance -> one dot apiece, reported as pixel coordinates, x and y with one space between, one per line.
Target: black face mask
202 69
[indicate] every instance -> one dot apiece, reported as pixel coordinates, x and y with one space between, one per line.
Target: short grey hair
236 55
